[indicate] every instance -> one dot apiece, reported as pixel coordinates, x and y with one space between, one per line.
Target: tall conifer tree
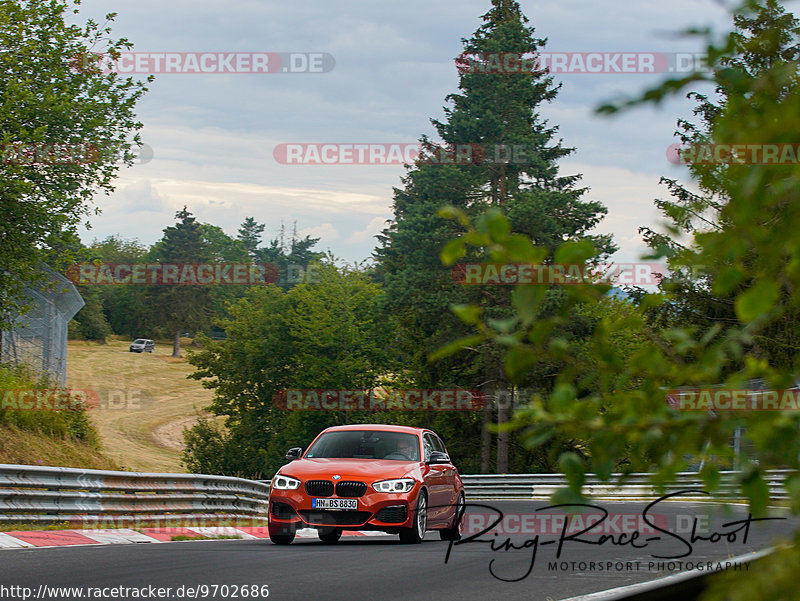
512 165
181 307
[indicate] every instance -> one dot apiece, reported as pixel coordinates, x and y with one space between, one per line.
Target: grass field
33 448
152 401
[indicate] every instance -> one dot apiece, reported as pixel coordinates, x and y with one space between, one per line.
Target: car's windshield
139 341
365 444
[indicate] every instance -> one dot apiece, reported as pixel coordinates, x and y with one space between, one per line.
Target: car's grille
319 488
348 488
396 514
335 518
282 511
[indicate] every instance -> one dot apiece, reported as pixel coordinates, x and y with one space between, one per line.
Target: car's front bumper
388 512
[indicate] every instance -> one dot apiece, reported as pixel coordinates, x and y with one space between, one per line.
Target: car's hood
351 469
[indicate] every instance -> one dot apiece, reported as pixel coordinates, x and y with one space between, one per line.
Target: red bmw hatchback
395 479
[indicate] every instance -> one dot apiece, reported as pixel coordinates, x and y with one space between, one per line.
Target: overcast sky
213 134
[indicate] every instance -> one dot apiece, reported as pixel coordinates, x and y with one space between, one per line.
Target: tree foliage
760 41
64 126
514 170
177 308
751 257
329 334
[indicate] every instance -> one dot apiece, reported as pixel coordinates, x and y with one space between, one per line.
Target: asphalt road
383 569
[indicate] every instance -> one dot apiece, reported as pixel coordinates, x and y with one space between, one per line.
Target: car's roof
378 427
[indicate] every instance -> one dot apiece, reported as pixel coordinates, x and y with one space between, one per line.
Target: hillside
151 403
34 448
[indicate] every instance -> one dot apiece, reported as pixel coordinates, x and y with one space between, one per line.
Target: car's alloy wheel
330 535
455 532
416 533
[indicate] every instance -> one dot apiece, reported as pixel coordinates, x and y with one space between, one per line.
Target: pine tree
250 235
512 166
290 260
179 307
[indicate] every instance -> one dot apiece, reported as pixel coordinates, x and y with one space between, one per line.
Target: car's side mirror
438 457
294 453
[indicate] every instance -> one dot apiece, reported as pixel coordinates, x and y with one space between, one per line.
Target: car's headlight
285 483
399 485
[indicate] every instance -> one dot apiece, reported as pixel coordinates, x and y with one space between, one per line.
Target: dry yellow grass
32 448
154 401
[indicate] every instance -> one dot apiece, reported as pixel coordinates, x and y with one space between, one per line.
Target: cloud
213 135
374 227
140 196
629 197
325 232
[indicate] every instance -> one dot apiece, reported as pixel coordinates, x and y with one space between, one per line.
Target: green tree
291 260
763 39
64 124
224 249
623 416
327 334
177 307
90 322
514 170
125 307
250 235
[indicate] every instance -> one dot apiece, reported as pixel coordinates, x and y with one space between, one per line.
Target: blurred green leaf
756 301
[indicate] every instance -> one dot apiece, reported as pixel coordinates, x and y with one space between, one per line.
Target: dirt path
146 402
170 435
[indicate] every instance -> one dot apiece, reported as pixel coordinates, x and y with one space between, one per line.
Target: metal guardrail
41 494
46 494
635 486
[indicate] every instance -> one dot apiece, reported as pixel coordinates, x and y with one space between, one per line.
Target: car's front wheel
281 535
330 535
416 533
282 538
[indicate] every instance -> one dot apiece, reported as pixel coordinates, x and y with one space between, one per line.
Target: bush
71 424
205 448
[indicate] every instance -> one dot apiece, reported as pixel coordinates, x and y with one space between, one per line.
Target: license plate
334 503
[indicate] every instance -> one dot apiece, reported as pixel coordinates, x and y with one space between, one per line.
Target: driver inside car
405 447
